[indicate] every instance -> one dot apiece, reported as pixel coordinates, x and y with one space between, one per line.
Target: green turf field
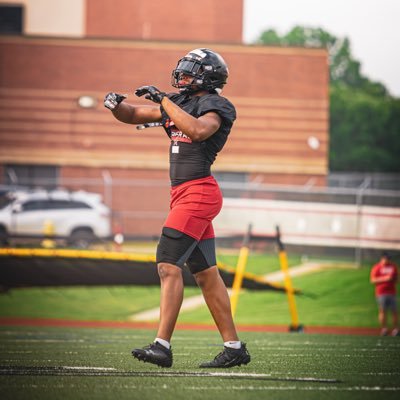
55 363
333 297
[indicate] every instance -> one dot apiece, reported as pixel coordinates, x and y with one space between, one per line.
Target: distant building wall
91 47
281 97
52 17
212 21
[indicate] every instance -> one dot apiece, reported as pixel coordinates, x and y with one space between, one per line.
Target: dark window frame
11 19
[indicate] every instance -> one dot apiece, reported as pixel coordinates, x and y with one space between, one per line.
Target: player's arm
390 277
393 275
373 277
381 279
128 113
198 129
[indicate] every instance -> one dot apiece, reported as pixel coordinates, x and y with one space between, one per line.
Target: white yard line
88 368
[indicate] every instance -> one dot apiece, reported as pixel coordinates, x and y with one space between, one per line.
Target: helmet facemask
188 67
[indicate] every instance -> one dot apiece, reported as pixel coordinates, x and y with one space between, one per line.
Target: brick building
281 95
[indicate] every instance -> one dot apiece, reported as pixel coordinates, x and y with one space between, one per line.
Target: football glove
111 100
151 92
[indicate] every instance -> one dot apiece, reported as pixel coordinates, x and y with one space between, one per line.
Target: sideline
67 323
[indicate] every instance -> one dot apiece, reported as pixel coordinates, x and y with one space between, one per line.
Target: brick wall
281 97
213 21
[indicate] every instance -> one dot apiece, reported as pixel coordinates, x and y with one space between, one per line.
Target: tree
364 118
364 131
343 67
271 38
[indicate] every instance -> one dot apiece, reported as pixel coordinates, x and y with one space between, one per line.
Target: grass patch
332 297
115 303
289 366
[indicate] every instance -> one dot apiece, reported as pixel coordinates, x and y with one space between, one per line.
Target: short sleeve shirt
192 160
385 288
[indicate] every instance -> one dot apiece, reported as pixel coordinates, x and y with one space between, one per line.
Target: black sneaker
229 358
154 353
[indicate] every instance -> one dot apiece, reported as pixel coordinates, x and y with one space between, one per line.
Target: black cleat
154 353
229 358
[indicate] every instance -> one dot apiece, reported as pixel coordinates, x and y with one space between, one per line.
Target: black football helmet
208 69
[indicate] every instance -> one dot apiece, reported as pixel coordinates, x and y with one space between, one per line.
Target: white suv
79 217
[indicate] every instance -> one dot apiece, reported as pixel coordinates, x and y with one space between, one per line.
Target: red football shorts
194 204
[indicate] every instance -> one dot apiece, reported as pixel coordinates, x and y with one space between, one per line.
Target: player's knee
205 278
168 271
200 280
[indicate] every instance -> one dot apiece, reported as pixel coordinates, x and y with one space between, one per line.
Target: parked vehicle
78 217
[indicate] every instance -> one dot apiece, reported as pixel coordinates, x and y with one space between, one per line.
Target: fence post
108 189
359 202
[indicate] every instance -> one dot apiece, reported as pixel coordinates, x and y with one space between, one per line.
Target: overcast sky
373 27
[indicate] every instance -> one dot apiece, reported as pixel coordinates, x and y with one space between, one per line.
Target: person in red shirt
384 277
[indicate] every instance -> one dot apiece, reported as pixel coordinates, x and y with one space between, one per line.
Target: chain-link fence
351 220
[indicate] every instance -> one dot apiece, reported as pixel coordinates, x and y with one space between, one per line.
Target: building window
32 176
11 20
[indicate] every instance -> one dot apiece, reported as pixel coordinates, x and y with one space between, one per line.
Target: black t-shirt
192 160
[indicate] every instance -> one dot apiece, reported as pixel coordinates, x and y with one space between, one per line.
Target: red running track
66 323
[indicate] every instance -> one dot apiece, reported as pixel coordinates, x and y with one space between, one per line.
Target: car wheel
81 238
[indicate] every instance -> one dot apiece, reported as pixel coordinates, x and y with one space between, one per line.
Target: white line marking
84 370
236 374
306 388
227 389
88 368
